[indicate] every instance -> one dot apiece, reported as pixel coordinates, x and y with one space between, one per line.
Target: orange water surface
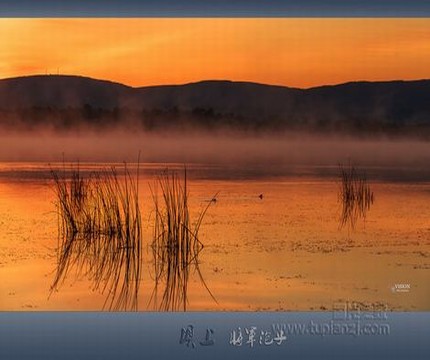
284 251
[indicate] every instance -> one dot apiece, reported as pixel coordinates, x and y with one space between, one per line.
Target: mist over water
211 148
297 219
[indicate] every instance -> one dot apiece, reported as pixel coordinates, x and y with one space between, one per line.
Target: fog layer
216 148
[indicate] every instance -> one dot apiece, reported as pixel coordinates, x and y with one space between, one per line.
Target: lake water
284 251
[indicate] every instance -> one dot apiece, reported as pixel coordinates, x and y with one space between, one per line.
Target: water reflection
176 245
100 234
355 196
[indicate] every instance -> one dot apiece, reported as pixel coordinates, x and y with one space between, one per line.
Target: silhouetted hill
245 99
68 101
59 91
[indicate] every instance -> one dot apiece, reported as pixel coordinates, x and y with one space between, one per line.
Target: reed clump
176 245
355 195
100 232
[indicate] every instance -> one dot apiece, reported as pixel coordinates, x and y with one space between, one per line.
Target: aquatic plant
176 245
355 195
100 232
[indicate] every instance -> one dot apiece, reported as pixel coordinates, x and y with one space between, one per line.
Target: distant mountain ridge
391 106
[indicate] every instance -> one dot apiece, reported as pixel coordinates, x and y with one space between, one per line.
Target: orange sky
293 52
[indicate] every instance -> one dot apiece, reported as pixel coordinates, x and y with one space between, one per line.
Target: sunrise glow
292 52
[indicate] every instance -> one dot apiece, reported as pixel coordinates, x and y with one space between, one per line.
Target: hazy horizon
221 147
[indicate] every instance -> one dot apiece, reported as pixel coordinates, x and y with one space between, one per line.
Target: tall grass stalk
355 196
100 233
176 245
